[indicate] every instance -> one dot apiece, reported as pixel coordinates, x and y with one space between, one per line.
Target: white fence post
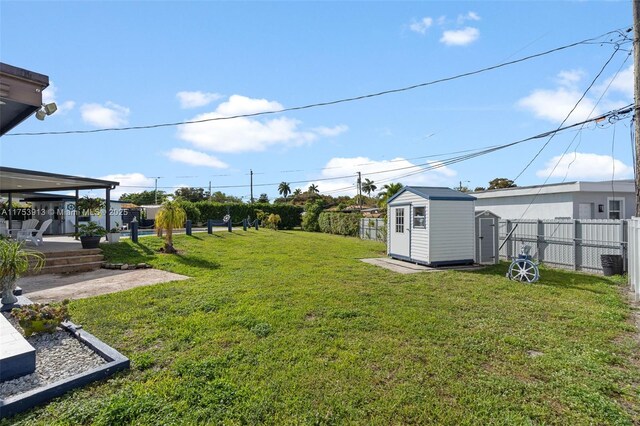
634 256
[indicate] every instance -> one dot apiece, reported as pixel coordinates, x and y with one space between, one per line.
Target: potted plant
113 236
90 234
38 318
15 261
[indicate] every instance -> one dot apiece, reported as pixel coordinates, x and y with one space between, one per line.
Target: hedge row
339 223
201 211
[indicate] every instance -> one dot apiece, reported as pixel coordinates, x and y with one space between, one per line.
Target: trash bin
611 264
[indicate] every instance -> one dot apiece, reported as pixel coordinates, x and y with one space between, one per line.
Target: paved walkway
54 288
403 267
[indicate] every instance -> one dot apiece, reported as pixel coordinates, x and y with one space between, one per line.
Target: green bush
339 223
291 216
312 211
272 221
193 212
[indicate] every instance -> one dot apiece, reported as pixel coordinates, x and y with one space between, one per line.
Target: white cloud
422 25
238 105
196 99
247 134
623 83
50 95
331 131
554 105
336 167
582 165
570 78
108 115
129 182
461 37
469 16
195 158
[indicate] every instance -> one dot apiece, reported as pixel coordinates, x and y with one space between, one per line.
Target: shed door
487 243
400 232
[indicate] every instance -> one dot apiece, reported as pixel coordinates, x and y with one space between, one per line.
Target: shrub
339 223
192 211
272 221
290 216
312 211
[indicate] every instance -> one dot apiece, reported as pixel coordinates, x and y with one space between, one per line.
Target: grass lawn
289 327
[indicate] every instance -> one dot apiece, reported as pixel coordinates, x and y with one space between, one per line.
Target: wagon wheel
524 270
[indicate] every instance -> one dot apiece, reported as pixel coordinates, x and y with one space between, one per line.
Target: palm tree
368 187
313 189
170 216
284 189
390 189
297 192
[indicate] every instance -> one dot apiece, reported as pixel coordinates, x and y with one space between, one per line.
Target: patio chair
33 235
27 224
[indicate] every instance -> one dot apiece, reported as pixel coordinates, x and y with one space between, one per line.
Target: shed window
400 220
419 217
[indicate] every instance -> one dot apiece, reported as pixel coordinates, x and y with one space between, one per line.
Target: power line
609 116
593 40
435 165
584 94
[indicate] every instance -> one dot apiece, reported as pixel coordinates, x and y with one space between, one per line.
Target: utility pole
360 190
209 190
155 191
251 173
636 95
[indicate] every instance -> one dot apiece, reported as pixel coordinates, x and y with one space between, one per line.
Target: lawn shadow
558 278
197 262
145 249
128 252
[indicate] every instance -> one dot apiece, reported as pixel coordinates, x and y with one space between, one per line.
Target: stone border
125 266
115 362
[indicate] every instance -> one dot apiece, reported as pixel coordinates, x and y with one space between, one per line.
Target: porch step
68 262
72 260
71 253
71 269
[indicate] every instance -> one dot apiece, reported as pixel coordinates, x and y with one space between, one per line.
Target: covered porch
16 184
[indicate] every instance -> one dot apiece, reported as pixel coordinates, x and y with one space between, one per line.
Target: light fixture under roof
46 109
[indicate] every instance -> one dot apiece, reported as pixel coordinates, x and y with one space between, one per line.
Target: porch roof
20 94
21 181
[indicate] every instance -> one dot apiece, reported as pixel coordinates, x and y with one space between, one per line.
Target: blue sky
115 64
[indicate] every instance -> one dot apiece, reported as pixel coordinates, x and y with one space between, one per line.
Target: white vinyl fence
373 229
634 256
565 243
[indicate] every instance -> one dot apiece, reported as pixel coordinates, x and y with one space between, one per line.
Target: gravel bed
58 355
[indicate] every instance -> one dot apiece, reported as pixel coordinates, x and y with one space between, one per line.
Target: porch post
10 209
108 208
76 213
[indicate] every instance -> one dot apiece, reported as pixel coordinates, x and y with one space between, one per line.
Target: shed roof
434 193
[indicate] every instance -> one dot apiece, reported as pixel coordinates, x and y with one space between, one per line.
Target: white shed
431 226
